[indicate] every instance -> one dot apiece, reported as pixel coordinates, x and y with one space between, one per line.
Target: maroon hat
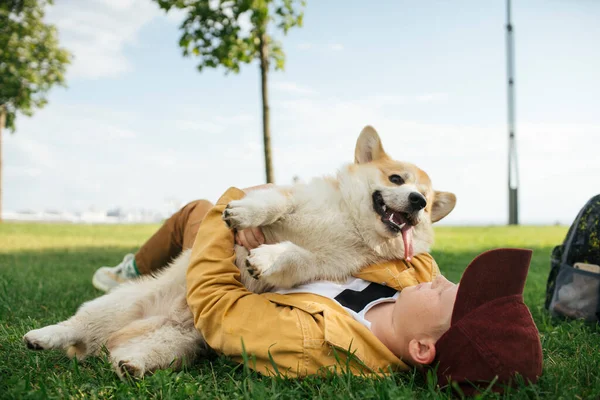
492 335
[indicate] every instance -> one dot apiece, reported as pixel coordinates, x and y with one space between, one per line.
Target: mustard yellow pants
176 234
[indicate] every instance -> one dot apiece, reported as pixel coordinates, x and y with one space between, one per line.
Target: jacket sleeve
224 311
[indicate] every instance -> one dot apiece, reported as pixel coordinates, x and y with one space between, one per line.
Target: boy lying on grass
391 317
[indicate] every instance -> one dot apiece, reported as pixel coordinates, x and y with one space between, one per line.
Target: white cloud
209 124
431 97
148 160
558 164
198 126
322 47
42 154
121 133
176 15
383 100
98 32
292 88
72 157
241 119
13 172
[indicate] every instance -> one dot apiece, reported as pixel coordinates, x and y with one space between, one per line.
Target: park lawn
45 273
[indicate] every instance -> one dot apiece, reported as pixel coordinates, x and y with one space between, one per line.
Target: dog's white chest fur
321 230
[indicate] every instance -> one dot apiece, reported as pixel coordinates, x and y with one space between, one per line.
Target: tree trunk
2 123
264 70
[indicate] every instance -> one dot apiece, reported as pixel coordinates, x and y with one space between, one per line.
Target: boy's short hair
492 336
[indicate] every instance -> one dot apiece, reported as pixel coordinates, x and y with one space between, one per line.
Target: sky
139 127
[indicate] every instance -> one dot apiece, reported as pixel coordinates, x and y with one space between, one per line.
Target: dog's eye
396 179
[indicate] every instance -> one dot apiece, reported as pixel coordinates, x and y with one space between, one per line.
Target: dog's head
394 201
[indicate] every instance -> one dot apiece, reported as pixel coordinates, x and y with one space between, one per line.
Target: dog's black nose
417 201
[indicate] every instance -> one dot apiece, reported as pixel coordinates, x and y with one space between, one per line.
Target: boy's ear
422 351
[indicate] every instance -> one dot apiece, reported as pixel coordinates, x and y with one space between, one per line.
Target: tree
212 31
31 62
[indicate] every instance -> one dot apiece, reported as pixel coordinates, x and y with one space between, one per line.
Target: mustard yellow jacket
295 334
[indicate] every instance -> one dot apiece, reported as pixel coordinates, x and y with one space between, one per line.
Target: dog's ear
443 203
368 146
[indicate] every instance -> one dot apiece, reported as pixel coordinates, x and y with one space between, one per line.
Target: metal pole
513 173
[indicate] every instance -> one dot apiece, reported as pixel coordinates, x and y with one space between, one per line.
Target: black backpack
573 288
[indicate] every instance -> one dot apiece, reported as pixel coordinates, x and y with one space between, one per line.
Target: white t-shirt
331 290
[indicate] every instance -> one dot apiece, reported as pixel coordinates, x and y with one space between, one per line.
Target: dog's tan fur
326 229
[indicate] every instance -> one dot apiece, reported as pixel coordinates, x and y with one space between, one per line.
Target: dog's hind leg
154 343
88 330
63 336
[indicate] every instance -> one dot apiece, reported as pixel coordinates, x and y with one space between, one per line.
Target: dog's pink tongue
407 238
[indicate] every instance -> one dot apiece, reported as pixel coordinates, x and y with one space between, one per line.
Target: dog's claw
33 345
128 370
226 217
251 270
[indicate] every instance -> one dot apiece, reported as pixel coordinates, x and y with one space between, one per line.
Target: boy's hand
250 238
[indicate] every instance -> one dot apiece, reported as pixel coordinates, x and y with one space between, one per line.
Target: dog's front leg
258 208
282 265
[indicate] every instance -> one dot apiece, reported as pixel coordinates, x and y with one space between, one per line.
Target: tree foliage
228 33
31 61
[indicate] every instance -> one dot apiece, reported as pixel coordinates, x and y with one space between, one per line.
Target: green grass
45 273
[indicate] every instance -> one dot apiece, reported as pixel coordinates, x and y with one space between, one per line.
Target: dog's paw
33 343
129 369
266 262
49 337
262 259
242 214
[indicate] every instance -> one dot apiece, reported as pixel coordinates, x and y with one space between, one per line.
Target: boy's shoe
107 278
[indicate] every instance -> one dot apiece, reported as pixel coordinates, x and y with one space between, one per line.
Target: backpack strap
567 245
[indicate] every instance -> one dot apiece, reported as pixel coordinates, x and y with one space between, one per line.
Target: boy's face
425 310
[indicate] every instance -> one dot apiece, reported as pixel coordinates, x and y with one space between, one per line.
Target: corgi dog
373 210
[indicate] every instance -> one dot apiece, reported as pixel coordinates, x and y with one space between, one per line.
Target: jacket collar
395 274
